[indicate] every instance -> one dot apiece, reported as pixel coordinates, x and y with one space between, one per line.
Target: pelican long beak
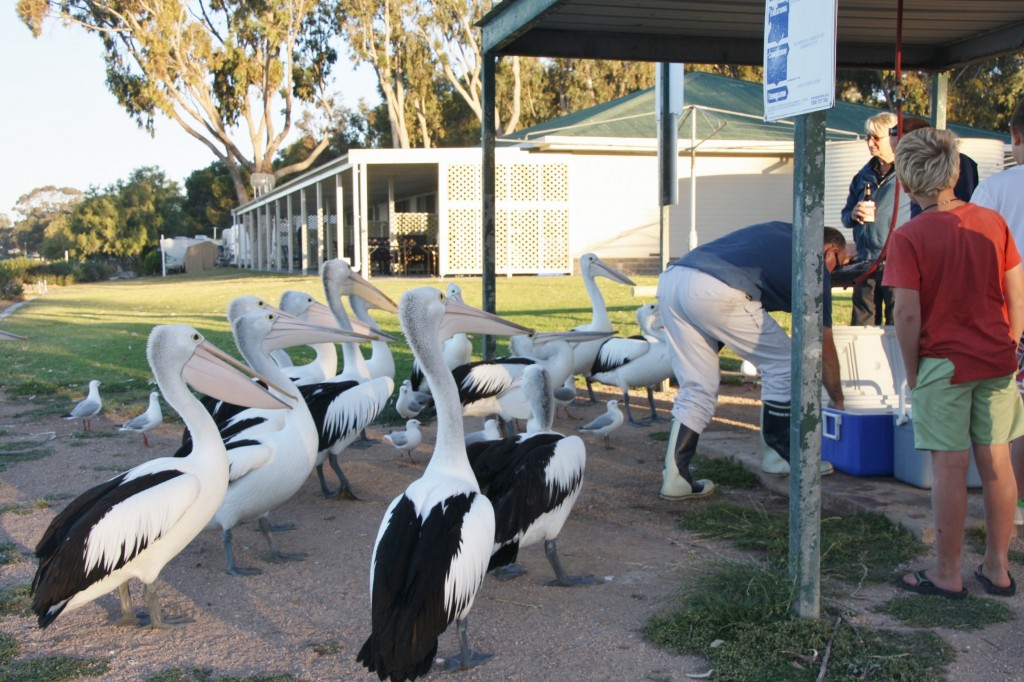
321 315
570 336
599 267
357 285
462 318
213 372
289 331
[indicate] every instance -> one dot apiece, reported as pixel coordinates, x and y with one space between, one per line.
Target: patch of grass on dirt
21 451
329 647
28 507
726 472
738 616
206 675
16 601
854 548
9 553
33 387
660 436
45 668
960 614
975 538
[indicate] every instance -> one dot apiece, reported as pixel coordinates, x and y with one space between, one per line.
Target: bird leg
608 442
562 579
128 616
654 411
277 556
229 554
509 572
467 658
629 413
363 441
145 441
590 389
156 619
344 489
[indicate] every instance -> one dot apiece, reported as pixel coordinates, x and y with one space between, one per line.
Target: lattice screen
531 222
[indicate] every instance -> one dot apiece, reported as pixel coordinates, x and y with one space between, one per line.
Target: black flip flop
991 587
926 586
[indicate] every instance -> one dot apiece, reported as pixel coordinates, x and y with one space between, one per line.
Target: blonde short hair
879 124
928 161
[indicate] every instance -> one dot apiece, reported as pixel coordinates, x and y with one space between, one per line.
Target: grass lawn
89 331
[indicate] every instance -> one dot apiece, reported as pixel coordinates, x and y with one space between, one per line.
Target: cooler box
859 443
914 466
859 439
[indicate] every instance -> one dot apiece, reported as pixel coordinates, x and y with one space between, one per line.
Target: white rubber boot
677 482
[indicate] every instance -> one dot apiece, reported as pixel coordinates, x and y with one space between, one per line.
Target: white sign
799 57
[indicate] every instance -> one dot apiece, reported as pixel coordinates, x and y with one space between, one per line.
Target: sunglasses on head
894 132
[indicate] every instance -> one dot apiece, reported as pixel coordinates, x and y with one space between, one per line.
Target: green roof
728 109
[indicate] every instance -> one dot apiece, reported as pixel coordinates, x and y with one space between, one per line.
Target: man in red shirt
960 291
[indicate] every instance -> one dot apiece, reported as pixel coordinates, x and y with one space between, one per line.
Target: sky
59 125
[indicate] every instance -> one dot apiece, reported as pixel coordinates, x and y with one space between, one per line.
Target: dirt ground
309 618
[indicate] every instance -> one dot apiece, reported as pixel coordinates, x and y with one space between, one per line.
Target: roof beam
1000 41
509 20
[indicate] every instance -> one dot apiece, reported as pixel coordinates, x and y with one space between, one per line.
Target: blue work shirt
757 260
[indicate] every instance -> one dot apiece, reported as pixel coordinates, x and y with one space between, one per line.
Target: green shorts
949 417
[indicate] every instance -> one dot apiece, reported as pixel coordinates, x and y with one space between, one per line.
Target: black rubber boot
775 418
677 481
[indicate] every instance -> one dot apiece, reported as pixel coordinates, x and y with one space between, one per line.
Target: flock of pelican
263 426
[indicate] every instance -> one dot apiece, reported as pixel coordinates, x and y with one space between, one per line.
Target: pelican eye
441 297
197 337
271 316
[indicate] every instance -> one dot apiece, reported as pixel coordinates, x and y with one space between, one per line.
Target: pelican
270 460
364 399
533 481
381 362
408 440
457 350
409 402
606 423
435 540
636 362
583 354
148 420
88 408
133 524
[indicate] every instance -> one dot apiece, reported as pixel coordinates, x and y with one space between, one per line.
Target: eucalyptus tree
232 73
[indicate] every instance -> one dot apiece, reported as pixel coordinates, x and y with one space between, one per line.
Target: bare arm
830 369
908 329
1013 290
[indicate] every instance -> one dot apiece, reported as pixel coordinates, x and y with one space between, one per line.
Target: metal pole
805 424
488 126
940 98
163 257
693 178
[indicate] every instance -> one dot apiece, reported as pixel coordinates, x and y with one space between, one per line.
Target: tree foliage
231 73
43 210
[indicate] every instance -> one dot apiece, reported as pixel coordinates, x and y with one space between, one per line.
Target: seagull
88 408
491 431
606 423
133 524
408 440
148 420
533 481
435 540
409 402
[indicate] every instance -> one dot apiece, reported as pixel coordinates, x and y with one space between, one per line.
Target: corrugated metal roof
937 34
730 109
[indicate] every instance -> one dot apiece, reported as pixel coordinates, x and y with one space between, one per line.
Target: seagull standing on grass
88 408
606 423
148 420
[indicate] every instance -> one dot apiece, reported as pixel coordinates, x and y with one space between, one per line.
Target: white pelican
347 419
457 350
583 354
132 525
636 362
606 423
409 402
435 540
148 420
381 362
88 408
533 481
408 440
270 460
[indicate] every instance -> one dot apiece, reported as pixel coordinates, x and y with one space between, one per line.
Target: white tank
988 154
842 161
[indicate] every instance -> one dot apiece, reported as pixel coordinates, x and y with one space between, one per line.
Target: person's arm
908 329
830 369
1013 291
